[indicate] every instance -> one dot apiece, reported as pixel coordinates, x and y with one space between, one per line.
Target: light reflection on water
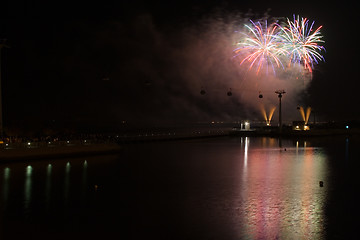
84 178
67 181
48 184
39 179
5 188
241 188
282 197
27 186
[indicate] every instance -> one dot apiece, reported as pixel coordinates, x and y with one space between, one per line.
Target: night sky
94 65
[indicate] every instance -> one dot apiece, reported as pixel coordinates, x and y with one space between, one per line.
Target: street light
280 93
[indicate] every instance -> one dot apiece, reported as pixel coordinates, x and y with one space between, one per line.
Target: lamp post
2 45
280 93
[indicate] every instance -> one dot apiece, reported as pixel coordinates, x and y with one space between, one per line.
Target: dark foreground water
225 188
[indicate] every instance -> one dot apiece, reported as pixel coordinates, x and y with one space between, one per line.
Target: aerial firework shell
260 46
302 42
295 42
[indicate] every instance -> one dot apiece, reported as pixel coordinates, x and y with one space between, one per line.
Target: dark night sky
61 52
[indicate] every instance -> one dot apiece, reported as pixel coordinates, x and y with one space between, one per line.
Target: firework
269 45
260 46
305 116
302 42
269 116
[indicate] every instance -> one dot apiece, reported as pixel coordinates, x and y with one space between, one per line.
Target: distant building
244 126
300 126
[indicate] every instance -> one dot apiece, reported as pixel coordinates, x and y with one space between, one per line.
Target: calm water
226 188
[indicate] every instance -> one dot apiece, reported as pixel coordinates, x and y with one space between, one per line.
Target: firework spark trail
269 116
305 116
301 109
263 111
271 113
294 41
302 43
261 46
308 111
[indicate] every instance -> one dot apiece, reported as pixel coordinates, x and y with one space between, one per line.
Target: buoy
321 183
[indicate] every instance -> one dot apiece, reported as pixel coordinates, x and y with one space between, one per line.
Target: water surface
226 188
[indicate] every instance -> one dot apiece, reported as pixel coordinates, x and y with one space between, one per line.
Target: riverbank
288 133
26 151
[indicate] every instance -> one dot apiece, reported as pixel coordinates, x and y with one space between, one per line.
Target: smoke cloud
154 73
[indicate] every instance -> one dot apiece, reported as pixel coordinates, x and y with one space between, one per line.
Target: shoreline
295 134
46 150
33 151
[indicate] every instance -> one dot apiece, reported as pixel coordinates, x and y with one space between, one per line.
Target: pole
280 93
280 120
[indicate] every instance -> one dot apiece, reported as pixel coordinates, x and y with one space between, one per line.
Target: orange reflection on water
281 197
